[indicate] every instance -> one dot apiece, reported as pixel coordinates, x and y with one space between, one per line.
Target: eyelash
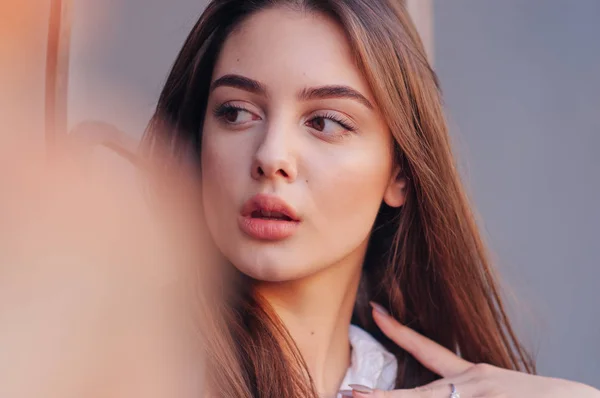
221 110
344 122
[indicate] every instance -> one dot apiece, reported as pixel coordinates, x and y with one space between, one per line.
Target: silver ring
453 393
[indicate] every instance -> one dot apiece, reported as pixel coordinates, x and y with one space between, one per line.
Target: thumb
373 394
360 391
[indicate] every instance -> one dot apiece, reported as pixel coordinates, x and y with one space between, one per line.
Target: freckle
312 333
238 60
307 181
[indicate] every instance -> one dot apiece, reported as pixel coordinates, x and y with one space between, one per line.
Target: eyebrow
241 82
334 92
322 92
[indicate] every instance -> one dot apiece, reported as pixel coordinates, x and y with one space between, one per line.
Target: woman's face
296 158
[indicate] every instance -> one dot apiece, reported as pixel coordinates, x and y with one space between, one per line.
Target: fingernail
360 388
379 308
345 393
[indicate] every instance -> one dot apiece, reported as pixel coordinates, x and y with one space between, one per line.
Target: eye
331 125
234 114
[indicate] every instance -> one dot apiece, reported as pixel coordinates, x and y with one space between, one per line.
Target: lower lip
266 229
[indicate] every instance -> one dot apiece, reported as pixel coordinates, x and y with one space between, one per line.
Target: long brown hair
426 261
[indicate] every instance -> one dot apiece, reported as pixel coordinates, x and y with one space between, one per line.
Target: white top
371 364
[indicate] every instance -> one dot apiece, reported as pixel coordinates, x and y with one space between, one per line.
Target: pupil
319 123
231 115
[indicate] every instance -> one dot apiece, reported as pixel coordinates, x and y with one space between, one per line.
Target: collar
371 364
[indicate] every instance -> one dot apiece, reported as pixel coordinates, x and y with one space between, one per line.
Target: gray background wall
121 52
522 85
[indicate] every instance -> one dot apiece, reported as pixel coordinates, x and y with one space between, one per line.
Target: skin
336 180
470 380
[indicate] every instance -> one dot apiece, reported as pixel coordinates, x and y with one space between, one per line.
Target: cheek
222 169
214 159
224 162
349 196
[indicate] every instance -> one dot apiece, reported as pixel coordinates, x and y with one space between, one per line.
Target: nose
273 158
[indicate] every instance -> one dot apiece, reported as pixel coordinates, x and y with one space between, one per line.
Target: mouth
268 207
270 215
267 217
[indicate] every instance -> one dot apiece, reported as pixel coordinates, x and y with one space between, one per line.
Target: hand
92 299
470 380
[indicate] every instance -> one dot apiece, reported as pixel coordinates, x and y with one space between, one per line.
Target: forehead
285 49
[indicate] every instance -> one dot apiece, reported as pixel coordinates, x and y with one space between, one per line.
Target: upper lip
270 203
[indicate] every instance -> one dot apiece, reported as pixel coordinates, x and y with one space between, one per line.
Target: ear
395 193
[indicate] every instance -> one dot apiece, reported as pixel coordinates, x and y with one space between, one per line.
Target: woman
328 183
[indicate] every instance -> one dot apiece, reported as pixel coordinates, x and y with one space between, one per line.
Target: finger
433 356
438 389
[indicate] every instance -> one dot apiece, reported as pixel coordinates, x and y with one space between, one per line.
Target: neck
317 310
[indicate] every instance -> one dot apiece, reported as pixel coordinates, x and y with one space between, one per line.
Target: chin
266 274
267 265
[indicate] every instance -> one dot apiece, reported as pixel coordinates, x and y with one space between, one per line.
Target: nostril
260 171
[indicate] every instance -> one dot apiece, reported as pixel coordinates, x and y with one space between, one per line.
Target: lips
268 206
268 217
